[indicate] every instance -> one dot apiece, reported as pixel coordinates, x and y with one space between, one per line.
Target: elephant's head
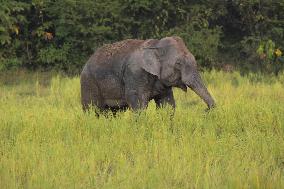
174 65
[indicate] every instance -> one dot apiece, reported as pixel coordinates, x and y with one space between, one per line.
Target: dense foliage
62 33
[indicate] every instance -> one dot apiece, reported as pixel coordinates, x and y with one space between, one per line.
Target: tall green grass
46 141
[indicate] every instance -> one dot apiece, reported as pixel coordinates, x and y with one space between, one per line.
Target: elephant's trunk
198 87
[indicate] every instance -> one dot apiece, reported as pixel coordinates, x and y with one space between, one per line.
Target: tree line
62 34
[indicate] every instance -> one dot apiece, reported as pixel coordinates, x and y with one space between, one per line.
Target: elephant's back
114 53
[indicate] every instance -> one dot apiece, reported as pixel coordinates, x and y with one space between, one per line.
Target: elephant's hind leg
89 93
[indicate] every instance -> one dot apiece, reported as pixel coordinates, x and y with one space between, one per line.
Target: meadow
46 141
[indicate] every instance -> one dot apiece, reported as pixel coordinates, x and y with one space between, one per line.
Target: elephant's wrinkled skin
130 73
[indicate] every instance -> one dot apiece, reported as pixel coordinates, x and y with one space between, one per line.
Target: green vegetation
61 34
46 141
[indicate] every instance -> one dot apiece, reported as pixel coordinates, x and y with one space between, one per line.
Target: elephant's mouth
183 87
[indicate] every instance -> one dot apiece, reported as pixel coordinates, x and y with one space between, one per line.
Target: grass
46 141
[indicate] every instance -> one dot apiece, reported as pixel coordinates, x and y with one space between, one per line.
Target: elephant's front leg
166 98
135 100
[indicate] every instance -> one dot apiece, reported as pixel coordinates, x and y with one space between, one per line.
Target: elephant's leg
89 93
135 101
164 99
115 109
137 90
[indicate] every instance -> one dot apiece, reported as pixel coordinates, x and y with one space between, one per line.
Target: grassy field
46 141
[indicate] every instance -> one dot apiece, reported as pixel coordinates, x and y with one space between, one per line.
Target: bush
42 34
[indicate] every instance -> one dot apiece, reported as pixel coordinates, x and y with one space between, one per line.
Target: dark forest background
247 35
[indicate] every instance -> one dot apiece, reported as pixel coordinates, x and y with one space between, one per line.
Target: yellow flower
278 52
16 30
48 36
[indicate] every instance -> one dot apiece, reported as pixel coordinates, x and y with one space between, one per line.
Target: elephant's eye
178 64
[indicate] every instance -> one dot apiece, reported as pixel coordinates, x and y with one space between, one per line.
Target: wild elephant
130 73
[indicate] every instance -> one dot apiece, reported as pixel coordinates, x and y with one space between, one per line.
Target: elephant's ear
150 61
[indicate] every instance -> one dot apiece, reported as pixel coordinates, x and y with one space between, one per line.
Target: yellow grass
46 141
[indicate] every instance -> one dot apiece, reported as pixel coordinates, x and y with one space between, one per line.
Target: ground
46 141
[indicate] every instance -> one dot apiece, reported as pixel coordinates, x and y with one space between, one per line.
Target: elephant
130 73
